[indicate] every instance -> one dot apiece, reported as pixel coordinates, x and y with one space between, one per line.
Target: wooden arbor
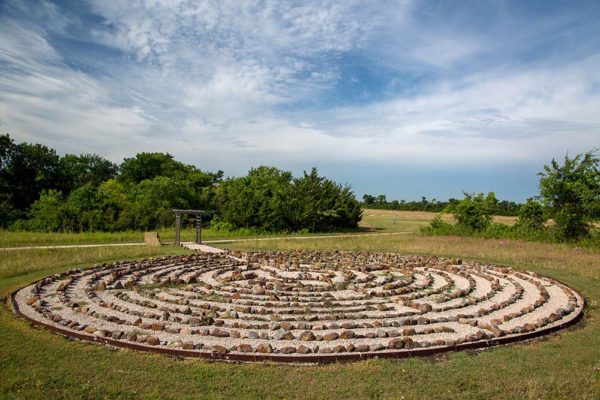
198 214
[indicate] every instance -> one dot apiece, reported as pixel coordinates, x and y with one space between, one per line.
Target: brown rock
408 331
219 333
307 336
395 344
331 336
362 348
347 335
158 327
339 349
287 350
152 340
303 349
219 349
264 348
286 326
245 348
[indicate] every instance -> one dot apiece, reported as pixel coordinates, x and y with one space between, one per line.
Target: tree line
40 190
503 207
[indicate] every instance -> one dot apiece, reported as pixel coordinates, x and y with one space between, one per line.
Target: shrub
572 193
531 215
475 212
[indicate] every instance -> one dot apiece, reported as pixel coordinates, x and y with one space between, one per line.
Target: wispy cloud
229 85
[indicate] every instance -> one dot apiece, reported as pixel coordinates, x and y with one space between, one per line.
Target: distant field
412 221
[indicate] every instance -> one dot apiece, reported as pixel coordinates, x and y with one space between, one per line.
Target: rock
219 333
32 300
347 335
286 326
245 348
158 327
152 341
307 336
408 331
186 310
376 347
338 349
362 348
188 346
264 348
325 350
303 349
219 349
287 350
331 336
258 290
395 344
242 309
117 334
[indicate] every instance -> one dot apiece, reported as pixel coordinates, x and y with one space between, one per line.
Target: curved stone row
305 303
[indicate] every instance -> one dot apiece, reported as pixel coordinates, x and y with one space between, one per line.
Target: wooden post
177 223
198 228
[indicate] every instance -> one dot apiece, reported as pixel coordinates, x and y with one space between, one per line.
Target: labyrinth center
299 306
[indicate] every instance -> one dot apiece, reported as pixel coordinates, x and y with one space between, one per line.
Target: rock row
306 303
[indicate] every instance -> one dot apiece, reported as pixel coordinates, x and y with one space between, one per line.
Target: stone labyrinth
299 306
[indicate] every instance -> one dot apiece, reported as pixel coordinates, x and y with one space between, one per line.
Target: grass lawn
373 221
39 364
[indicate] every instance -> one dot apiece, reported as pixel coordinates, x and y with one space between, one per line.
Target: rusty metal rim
312 359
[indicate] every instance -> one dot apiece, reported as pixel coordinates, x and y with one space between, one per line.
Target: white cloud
217 84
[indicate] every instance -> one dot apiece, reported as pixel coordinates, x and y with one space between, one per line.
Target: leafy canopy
571 192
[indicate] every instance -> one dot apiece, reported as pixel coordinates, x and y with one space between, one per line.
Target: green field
37 364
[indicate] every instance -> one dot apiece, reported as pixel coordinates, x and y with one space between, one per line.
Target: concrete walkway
201 247
73 246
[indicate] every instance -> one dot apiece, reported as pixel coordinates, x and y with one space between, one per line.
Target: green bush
531 216
475 212
572 193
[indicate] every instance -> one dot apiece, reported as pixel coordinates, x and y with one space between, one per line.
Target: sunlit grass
37 364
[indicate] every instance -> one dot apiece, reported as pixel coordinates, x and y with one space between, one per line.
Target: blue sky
403 98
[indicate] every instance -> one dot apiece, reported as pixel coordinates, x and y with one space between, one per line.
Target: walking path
205 248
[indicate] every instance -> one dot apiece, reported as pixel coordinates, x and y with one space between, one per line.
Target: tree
381 199
572 193
368 199
152 202
150 165
531 215
475 211
79 170
25 171
319 204
49 213
257 200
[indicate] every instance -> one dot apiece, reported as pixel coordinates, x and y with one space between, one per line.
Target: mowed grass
37 364
372 221
167 235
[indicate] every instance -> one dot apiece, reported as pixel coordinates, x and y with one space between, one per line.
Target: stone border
316 358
